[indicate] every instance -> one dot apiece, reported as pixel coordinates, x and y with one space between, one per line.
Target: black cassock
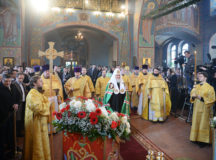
116 101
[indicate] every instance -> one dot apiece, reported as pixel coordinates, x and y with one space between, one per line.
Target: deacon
116 96
203 98
158 97
37 144
77 86
101 84
89 81
134 96
141 90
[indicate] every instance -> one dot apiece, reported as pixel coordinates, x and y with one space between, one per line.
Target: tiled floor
172 137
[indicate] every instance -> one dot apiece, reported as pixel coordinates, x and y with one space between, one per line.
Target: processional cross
51 54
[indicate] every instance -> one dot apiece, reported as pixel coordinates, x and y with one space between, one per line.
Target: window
185 47
173 56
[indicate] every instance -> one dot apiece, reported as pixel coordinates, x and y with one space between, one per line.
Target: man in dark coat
189 68
93 73
21 91
9 102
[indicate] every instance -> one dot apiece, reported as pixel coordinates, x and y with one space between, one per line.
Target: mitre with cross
51 54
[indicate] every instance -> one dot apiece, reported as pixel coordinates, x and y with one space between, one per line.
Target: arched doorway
97 46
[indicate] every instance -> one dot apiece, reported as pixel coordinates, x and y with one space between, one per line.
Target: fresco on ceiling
186 18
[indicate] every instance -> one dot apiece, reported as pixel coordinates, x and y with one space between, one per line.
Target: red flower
93 115
96 105
63 109
97 101
83 98
58 116
119 122
69 113
81 114
54 113
94 120
108 111
114 124
67 99
67 107
98 111
121 115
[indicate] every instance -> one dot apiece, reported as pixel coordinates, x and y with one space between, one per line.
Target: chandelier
79 36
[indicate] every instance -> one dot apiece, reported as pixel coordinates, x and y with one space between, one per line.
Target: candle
195 68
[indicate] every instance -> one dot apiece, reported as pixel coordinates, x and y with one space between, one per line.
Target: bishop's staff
51 54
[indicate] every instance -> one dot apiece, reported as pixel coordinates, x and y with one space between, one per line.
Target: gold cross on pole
51 54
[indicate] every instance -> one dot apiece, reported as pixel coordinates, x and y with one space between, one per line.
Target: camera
180 59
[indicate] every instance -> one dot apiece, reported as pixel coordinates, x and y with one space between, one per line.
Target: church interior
111 33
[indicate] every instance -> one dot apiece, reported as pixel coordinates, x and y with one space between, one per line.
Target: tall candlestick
195 67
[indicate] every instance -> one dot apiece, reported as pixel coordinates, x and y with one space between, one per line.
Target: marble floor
172 137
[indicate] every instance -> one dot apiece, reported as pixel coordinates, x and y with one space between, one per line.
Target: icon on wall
8 61
35 62
147 61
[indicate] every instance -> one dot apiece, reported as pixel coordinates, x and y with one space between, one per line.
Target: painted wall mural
113 25
185 18
11 52
10 31
146 37
137 13
146 33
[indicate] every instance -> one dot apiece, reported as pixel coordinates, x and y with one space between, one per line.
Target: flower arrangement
90 118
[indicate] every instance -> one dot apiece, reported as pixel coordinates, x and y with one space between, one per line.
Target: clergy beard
156 75
118 80
40 89
144 73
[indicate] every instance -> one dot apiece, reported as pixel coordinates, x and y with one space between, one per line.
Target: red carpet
132 150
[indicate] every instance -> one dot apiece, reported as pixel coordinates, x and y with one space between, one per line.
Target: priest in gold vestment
101 84
203 98
126 80
57 89
89 81
142 81
37 111
158 97
133 78
77 86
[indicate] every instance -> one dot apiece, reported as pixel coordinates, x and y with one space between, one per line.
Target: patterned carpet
147 143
